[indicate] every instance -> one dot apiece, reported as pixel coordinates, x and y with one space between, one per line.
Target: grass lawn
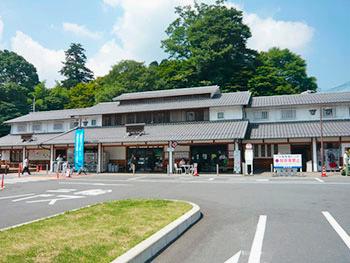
99 233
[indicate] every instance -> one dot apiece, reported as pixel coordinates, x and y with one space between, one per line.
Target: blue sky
111 30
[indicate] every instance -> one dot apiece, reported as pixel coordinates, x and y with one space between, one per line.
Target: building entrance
305 151
147 159
208 156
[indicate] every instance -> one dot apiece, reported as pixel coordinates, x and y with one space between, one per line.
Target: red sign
173 144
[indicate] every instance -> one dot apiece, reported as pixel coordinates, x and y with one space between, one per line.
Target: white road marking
33 196
61 191
262 180
255 251
211 179
340 231
93 192
52 201
96 184
135 178
319 180
14 196
234 258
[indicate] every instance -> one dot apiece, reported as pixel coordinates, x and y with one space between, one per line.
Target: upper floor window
261 115
190 116
93 122
328 112
221 115
37 126
21 128
58 126
288 114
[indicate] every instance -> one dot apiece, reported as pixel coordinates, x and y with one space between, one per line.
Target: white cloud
109 54
80 30
112 3
46 61
268 32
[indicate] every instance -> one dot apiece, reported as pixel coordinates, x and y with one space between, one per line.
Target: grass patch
99 233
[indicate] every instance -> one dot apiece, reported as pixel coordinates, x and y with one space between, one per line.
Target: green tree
57 98
213 39
281 72
74 68
82 95
14 68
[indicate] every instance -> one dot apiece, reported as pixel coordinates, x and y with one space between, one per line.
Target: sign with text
237 161
79 149
287 161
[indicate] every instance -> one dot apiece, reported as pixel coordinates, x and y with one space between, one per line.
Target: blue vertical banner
79 149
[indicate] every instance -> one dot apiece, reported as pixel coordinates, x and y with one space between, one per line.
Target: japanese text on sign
287 161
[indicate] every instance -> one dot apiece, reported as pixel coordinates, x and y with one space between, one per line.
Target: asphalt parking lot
245 219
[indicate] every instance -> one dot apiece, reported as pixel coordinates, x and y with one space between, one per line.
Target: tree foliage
212 38
74 68
281 72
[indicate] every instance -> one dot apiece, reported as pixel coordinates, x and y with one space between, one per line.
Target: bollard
47 168
217 169
2 181
19 169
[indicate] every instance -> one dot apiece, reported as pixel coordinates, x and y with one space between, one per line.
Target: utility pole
34 104
321 129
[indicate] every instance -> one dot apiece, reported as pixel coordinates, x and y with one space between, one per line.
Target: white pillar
23 153
171 164
314 154
52 155
99 158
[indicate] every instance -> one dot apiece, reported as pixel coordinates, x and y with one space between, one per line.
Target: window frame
288 116
220 115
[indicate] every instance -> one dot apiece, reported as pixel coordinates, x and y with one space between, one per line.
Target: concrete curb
150 247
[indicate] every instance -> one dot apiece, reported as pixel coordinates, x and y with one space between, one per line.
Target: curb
151 246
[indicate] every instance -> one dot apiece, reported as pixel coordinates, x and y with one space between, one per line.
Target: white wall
230 113
5 155
38 155
115 153
48 126
302 113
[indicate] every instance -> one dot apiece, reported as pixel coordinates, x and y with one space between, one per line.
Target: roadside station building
207 126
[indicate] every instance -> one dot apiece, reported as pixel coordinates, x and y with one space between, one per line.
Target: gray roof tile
300 99
298 129
225 130
168 93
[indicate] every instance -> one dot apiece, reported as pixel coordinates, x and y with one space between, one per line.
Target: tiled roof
225 130
298 129
225 99
169 93
301 99
16 140
48 115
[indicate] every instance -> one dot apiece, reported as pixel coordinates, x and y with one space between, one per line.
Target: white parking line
340 231
319 180
255 251
14 196
96 184
235 258
136 178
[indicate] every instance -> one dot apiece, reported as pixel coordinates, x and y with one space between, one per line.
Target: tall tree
213 39
74 68
14 68
281 72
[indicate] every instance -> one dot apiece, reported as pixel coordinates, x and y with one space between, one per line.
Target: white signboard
237 161
248 156
287 161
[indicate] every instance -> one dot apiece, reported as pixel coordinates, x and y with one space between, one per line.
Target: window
21 128
74 124
268 153
263 153
265 150
93 122
328 112
58 126
288 114
256 150
37 126
221 115
275 149
190 116
261 115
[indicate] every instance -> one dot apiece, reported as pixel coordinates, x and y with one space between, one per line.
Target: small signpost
248 156
237 161
287 164
171 148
